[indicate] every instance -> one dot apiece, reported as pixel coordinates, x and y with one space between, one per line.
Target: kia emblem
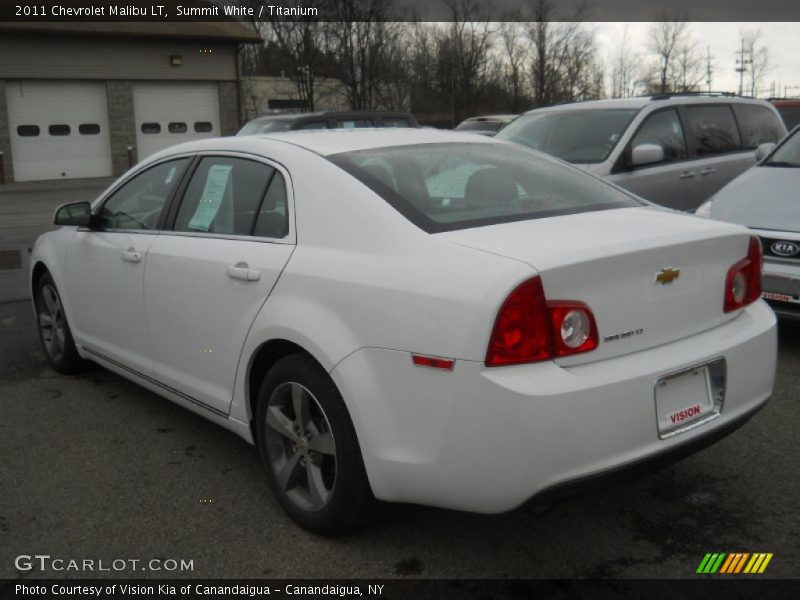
784 248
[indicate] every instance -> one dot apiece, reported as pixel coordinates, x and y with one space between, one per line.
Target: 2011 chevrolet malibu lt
411 316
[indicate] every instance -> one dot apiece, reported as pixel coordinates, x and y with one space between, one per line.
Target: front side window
662 128
577 136
759 125
224 196
714 129
443 187
139 202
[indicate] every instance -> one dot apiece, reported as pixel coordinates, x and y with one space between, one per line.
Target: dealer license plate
684 400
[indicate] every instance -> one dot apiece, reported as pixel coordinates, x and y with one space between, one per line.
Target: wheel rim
301 448
52 324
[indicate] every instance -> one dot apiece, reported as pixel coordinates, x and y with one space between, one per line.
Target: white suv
674 150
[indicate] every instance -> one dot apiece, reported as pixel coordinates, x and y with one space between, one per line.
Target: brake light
528 328
743 281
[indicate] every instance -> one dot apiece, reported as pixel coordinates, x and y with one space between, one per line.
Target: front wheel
309 448
54 332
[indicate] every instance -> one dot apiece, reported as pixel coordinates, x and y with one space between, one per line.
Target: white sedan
413 316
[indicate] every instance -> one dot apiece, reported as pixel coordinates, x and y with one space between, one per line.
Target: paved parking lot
96 467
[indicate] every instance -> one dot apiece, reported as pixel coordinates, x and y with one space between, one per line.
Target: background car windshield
578 136
269 126
442 187
788 155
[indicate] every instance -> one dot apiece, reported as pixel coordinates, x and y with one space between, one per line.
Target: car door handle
708 171
131 255
687 175
242 270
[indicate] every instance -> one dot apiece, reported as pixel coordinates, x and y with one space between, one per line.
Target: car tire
309 448
54 332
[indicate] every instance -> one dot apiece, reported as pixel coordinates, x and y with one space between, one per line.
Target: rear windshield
577 136
479 126
443 187
787 154
268 126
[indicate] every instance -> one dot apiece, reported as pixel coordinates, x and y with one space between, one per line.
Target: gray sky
724 41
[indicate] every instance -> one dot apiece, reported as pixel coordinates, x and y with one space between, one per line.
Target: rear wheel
54 331
309 448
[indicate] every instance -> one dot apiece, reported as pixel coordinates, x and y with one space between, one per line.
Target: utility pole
709 70
741 65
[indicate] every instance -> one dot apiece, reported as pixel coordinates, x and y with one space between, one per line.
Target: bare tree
626 68
514 56
564 65
760 63
679 60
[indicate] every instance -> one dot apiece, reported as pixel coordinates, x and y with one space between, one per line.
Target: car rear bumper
489 439
781 286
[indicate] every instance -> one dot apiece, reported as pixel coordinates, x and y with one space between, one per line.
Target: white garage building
86 99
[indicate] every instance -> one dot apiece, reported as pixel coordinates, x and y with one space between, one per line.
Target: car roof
326 142
640 102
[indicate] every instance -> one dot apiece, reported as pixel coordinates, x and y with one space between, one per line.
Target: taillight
743 281
528 328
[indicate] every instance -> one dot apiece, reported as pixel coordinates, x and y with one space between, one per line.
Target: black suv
328 120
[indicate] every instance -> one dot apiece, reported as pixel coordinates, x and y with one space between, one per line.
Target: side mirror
646 154
74 213
763 149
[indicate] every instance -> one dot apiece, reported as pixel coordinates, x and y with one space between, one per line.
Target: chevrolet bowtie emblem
665 276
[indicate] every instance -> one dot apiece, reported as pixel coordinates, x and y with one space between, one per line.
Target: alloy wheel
301 449
52 323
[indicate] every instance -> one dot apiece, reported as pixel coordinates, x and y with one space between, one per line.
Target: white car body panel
360 289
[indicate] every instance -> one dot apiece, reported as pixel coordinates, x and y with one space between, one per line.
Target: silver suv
676 150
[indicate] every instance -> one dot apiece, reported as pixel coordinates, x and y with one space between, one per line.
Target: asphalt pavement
95 467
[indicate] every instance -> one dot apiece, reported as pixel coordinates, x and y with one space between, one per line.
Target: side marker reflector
445 364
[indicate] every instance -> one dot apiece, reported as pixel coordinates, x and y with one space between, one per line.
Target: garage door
172 113
59 129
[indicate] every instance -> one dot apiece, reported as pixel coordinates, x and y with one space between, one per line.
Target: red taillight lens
522 330
743 282
530 329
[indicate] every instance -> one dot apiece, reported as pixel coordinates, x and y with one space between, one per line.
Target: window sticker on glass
170 175
217 187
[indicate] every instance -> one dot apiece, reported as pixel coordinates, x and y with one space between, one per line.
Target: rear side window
443 187
314 125
758 124
273 219
714 129
663 128
224 196
353 123
395 122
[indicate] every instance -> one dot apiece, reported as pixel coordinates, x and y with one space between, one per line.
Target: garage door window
138 203
224 196
203 127
28 130
89 129
151 128
59 130
177 127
